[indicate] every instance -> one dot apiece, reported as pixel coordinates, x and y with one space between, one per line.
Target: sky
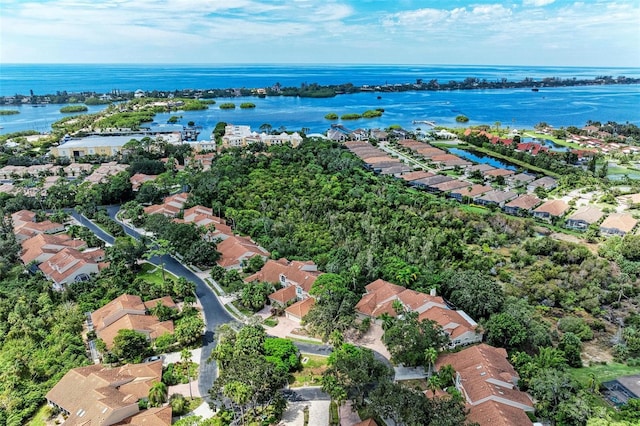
513 32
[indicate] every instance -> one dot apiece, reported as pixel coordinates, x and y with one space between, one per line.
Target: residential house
521 179
482 168
368 422
99 395
298 310
620 390
337 135
130 312
139 178
583 217
483 374
493 174
216 227
170 206
104 171
546 182
295 277
25 225
495 197
618 224
449 186
469 192
93 145
379 135
497 414
382 297
449 161
550 209
42 247
70 265
459 327
523 204
428 182
235 250
420 174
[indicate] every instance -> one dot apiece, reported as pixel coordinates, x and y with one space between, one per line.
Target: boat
535 89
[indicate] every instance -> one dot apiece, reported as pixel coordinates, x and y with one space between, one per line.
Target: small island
462 119
74 108
9 112
331 116
247 105
228 105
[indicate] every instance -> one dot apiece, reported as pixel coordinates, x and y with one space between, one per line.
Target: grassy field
153 274
311 373
603 373
562 142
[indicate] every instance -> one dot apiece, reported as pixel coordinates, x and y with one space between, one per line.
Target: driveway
214 313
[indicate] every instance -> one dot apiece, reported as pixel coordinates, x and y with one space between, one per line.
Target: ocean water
515 108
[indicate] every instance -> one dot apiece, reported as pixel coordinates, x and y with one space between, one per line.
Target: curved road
214 313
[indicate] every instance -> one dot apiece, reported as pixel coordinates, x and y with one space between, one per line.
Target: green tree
571 345
161 248
130 346
185 363
465 288
430 356
158 394
188 330
409 340
334 308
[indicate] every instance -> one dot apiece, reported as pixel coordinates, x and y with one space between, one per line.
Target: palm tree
185 362
447 375
387 321
161 248
434 383
158 394
430 356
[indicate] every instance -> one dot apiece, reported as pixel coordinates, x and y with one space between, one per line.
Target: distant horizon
546 33
314 64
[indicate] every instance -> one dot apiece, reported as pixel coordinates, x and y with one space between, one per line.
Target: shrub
576 326
74 108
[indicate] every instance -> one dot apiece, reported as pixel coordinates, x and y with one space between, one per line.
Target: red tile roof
302 274
235 249
301 308
553 207
493 413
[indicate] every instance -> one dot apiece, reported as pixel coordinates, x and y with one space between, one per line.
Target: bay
515 108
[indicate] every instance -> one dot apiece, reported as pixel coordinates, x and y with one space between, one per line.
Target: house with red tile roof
618 224
496 414
484 374
43 246
523 204
25 225
129 312
295 277
495 197
235 250
298 310
139 178
551 209
216 227
469 192
99 395
69 265
170 206
381 296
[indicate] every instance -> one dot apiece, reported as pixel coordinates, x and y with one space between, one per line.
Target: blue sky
512 32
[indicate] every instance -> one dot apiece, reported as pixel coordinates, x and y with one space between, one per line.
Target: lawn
532 134
153 274
603 373
311 373
41 417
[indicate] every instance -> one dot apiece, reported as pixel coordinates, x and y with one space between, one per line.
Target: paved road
214 313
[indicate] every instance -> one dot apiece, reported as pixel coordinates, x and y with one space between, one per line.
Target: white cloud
537 3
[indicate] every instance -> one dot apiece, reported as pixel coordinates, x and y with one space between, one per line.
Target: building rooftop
588 214
621 221
553 207
93 141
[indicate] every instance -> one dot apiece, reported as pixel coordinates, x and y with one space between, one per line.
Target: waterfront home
92 145
618 224
129 312
545 182
99 395
522 204
550 210
379 135
493 174
469 192
482 168
449 161
583 217
488 384
495 197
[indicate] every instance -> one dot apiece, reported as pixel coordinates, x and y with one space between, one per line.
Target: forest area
542 299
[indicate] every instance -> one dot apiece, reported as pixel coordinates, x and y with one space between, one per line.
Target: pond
482 159
548 143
